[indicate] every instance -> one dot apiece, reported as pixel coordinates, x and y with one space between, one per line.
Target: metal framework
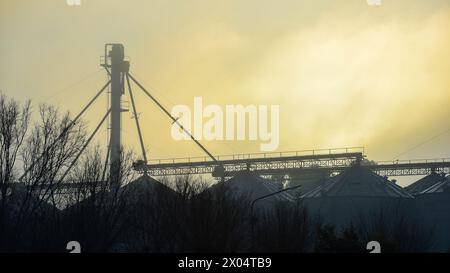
174 120
262 163
118 71
412 167
296 162
334 160
114 59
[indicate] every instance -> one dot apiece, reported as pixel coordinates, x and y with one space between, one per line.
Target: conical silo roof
145 184
307 182
249 184
21 198
440 186
425 183
358 181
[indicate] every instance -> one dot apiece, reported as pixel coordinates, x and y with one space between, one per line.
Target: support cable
107 71
137 121
65 130
397 157
85 145
67 88
106 161
172 118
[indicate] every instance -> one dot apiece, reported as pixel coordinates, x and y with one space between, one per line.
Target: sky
343 73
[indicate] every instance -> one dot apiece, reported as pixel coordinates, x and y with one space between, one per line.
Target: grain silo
118 214
358 181
28 219
433 204
356 192
307 180
249 185
145 185
22 199
430 183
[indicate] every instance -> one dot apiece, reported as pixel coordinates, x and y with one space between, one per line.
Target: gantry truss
329 160
262 163
412 167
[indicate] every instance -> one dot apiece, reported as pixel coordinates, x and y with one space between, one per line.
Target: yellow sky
343 73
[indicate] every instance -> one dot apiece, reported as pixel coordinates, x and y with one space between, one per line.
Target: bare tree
396 228
14 121
217 221
32 162
286 227
391 224
330 240
96 213
185 215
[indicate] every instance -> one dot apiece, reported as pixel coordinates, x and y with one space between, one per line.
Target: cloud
347 82
343 73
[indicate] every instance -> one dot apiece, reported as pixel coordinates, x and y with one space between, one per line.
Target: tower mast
114 59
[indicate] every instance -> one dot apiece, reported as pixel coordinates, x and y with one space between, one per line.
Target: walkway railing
274 155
